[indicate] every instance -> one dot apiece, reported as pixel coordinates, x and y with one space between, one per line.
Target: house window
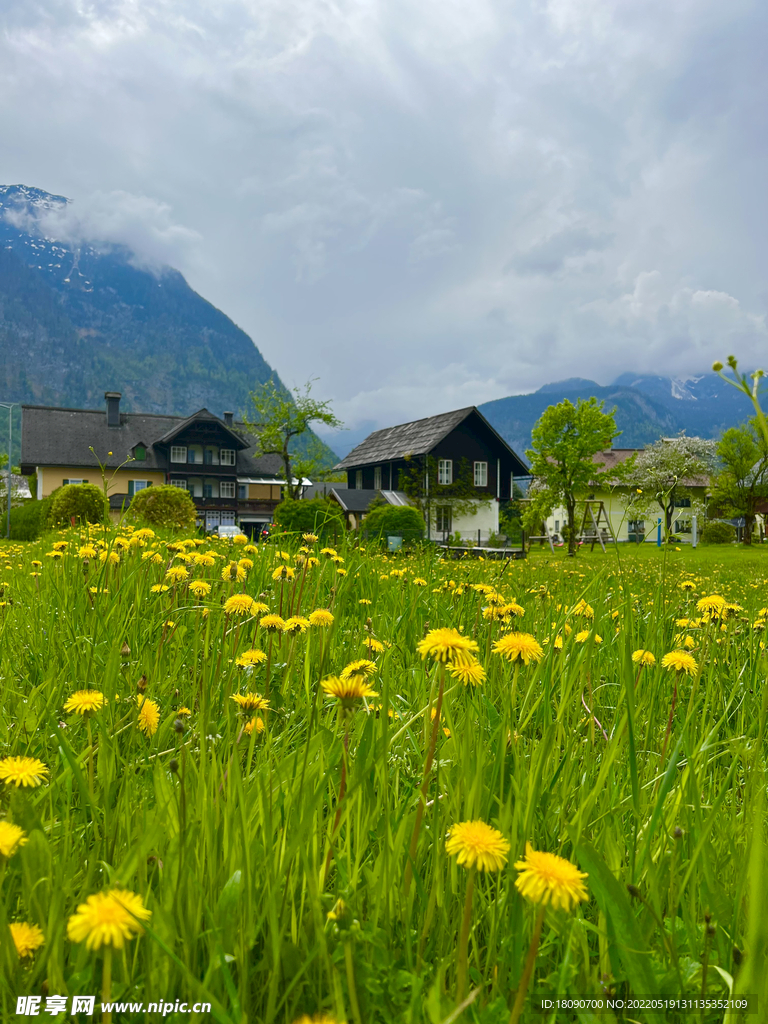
445 471
140 453
481 474
134 486
208 491
208 457
636 530
359 480
179 453
175 482
70 481
227 456
227 518
227 489
682 502
377 478
443 518
242 491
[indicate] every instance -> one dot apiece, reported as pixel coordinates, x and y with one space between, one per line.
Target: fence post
658 533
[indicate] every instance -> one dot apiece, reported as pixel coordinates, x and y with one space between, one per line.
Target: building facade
452 443
211 458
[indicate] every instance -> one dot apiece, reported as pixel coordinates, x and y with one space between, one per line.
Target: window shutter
64 482
130 488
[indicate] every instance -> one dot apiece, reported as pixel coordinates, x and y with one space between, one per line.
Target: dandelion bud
738 956
717 366
178 726
141 686
711 931
173 764
634 892
125 650
707 917
678 833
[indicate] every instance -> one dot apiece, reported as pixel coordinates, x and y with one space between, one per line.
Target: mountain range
647 407
77 320
81 318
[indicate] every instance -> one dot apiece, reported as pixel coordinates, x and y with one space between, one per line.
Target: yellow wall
53 477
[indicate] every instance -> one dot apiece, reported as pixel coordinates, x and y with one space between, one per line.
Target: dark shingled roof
415 438
64 437
354 500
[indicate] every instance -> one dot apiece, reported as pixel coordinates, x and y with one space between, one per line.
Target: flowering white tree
666 471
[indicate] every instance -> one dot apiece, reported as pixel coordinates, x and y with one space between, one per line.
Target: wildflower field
302 783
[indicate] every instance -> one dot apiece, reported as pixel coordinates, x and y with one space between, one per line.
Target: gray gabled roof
201 414
354 500
415 438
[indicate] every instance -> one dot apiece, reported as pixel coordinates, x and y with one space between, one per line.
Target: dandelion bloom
473 672
361 667
317 1018
108 919
240 604
252 657
476 844
109 556
447 646
246 563
233 573
205 560
177 574
272 623
87 551
256 723
158 588
296 624
22 771
687 585
419 581
642 657
374 646
200 588
144 534
84 701
582 608
348 689
712 605
321 617
680 661
149 714
11 838
184 712
59 545
310 538
26 937
283 572
330 552
548 879
250 702
519 645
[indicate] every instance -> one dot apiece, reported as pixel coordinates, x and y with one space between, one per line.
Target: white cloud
426 203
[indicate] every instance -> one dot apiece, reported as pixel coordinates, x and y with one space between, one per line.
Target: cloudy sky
424 203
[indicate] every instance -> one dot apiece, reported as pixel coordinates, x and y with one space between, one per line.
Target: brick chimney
113 408
229 418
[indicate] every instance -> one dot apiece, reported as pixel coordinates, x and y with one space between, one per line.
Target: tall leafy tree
666 470
280 420
741 486
564 442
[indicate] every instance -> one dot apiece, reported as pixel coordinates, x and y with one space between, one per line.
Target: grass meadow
290 845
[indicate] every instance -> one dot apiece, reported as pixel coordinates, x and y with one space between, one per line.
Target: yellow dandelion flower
11 838
177 574
87 551
348 689
419 581
687 585
316 1018
250 702
283 572
361 667
108 919
22 771
149 714
341 572
477 844
309 538
363 600
200 589
240 538
712 605
240 604
330 552
680 661
83 701
548 879
448 646
295 625
272 623
374 646
26 937
205 560
144 534
472 672
252 657
233 573
158 588
641 657
582 608
246 563
183 712
59 545
321 617
256 723
519 645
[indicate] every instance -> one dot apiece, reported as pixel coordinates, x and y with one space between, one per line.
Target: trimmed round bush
164 506
78 502
718 533
315 515
394 521
28 520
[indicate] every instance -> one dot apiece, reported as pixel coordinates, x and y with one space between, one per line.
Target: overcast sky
424 203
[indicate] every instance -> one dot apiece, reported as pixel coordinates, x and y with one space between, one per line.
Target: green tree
393 521
667 470
564 441
741 486
279 419
164 506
